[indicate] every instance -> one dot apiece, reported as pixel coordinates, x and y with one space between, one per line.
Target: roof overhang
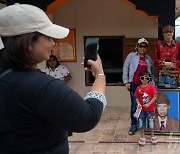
50 5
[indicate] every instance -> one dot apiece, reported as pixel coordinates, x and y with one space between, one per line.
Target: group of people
138 77
37 110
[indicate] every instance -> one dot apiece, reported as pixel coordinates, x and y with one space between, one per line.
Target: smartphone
91 50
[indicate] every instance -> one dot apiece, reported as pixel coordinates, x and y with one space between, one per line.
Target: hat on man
162 99
20 19
142 40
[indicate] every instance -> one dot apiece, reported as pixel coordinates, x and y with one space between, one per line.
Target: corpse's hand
169 65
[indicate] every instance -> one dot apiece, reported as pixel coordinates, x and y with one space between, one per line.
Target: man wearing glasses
166 58
136 62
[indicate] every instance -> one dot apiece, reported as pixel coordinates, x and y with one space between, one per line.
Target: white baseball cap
142 40
20 19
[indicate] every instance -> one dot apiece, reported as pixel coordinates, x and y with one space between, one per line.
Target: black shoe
132 129
70 133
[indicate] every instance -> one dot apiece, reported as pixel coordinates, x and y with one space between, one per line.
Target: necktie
162 126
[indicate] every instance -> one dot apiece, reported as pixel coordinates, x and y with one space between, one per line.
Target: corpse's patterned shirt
163 52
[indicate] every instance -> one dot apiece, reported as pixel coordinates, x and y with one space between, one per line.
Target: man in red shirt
167 53
167 50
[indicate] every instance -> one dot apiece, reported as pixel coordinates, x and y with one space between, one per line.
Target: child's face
145 79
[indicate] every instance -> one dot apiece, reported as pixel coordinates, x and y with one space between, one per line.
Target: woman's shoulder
33 79
45 70
44 80
40 75
61 66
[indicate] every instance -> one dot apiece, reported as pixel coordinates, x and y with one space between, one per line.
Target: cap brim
143 42
55 31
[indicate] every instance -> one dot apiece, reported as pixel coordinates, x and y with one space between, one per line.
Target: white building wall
104 18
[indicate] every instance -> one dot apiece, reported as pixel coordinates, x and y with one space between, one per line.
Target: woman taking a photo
38 110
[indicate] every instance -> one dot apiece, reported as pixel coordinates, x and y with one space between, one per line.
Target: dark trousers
133 103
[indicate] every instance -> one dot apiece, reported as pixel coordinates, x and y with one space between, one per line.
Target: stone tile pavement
110 136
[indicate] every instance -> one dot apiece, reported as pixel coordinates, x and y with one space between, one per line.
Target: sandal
142 141
153 139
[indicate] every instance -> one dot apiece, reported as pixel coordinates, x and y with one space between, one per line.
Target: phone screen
91 50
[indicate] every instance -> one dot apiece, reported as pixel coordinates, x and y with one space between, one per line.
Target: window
111 53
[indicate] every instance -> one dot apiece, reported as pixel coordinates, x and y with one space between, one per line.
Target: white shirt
165 120
60 72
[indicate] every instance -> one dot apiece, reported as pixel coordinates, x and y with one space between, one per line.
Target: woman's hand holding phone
96 66
91 50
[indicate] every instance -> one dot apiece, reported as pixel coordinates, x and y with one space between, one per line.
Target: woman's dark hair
145 72
17 53
54 57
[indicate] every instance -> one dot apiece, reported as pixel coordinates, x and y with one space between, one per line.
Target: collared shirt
60 72
163 52
131 64
165 120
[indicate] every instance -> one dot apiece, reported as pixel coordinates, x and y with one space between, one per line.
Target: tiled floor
110 137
